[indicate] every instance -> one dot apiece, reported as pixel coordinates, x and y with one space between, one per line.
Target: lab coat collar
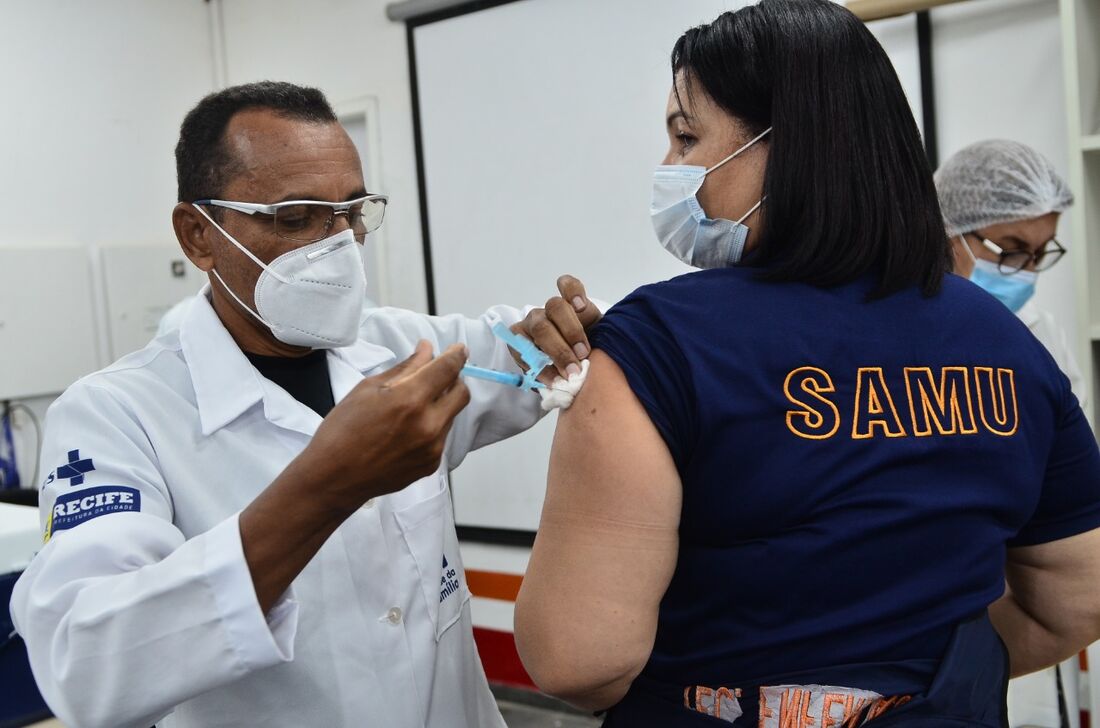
364 356
227 385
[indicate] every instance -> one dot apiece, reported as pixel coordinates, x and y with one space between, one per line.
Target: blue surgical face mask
684 228
1013 290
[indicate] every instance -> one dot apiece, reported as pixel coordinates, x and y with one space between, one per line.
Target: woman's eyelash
685 139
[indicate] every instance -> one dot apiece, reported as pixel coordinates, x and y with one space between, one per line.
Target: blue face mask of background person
1013 290
684 228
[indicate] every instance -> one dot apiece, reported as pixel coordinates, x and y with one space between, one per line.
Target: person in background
1001 201
793 485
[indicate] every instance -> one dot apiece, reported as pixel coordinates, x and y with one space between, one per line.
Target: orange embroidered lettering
790 707
700 692
874 406
855 717
831 699
818 418
805 719
730 700
997 400
941 407
765 711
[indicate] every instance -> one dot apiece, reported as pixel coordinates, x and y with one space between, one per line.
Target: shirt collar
225 382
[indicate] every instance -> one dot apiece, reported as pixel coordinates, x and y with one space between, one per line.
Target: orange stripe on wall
499 656
493 584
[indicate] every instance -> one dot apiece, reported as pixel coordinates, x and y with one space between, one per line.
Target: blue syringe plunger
535 359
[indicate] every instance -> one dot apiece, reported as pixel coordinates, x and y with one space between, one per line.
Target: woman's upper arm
1056 584
606 549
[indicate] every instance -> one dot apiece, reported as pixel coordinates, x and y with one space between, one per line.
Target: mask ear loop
238 300
966 247
755 139
250 255
752 209
240 247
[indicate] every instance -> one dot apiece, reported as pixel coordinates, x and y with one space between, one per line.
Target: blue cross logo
75 469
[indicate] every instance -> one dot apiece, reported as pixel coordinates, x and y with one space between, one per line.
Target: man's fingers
435 377
541 330
521 329
420 356
572 290
453 401
562 314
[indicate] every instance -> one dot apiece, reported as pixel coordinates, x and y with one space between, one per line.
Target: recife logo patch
72 509
449 583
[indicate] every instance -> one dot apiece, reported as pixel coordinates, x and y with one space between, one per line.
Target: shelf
1090 143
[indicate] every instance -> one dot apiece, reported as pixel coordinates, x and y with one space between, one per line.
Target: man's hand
386 433
390 430
559 327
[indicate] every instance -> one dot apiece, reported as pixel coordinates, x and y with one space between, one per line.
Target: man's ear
191 231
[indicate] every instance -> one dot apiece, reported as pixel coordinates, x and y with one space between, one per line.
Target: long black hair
849 189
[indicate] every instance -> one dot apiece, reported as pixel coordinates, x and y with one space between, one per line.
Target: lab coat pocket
429 533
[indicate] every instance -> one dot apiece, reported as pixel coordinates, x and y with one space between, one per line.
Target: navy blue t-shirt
852 470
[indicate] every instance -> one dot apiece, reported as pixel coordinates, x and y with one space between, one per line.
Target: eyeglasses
1016 260
310 220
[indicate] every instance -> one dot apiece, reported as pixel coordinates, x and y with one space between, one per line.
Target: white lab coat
148 613
1054 338
1033 699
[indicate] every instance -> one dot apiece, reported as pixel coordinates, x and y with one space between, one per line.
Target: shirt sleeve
645 349
1070 500
496 411
122 616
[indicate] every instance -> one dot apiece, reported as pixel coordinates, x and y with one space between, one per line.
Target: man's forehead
271 152
262 135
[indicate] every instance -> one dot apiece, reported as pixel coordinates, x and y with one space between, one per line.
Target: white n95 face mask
312 296
684 228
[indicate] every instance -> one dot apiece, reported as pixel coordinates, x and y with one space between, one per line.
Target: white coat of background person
225 549
1001 201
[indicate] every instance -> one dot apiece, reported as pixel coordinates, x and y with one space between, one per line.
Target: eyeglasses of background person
1013 254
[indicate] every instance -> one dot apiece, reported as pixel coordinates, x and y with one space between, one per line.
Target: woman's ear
191 228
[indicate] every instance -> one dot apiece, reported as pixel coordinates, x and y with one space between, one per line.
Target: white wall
94 93
349 50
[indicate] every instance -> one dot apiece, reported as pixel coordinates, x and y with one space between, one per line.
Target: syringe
492 375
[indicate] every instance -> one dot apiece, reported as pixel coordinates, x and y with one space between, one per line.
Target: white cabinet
47 327
140 284
1081 56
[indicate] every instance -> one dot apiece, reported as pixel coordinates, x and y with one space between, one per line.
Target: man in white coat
1001 202
248 521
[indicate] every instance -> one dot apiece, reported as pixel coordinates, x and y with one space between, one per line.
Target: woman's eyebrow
677 115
